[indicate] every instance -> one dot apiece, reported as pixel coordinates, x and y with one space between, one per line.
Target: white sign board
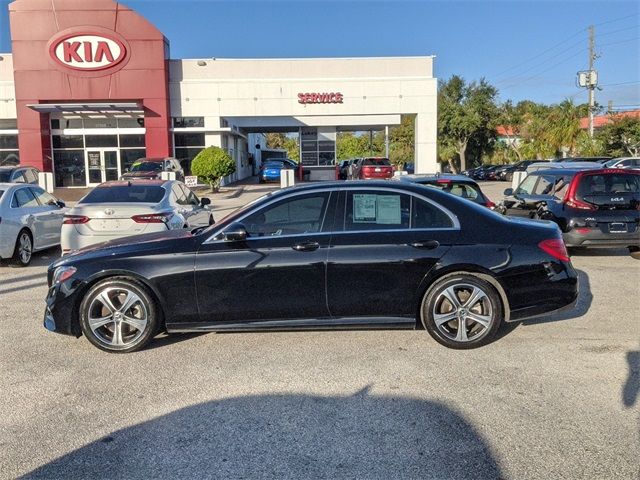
191 181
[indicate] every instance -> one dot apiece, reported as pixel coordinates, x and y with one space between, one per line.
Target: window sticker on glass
389 210
364 208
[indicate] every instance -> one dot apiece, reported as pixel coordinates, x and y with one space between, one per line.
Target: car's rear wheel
462 311
23 250
119 315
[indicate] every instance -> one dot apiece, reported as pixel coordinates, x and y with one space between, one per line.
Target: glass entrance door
102 165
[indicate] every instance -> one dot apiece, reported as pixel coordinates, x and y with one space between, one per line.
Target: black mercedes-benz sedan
361 254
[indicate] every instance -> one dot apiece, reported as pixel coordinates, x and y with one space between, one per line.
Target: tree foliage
213 164
467 114
621 137
283 141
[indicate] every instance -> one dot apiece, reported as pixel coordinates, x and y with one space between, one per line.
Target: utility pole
591 84
589 78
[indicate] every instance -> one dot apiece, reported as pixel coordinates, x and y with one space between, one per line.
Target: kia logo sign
88 51
305 98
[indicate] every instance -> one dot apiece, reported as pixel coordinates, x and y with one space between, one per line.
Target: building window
100 123
183 139
69 168
101 140
61 123
9 157
130 155
8 124
131 122
188 122
67 141
129 141
8 142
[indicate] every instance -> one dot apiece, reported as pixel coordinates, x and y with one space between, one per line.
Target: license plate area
105 225
618 227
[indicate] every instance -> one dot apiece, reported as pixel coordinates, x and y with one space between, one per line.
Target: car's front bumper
60 313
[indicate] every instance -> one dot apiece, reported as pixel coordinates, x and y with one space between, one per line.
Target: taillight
556 248
75 219
489 204
574 203
152 218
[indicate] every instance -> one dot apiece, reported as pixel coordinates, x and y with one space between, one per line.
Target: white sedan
123 208
30 220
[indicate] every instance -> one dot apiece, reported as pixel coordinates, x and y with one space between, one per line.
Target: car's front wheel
119 315
462 311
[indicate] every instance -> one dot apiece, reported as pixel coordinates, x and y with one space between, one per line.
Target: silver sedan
30 220
125 208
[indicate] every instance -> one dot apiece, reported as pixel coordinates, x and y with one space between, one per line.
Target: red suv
373 167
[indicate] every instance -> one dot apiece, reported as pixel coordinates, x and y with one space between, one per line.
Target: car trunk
113 219
377 171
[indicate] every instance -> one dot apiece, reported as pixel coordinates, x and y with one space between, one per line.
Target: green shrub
211 165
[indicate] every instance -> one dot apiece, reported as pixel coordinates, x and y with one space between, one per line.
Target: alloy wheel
25 248
463 312
117 317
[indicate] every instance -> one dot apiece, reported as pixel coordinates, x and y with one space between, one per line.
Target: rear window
146 167
5 175
464 190
376 161
1 192
274 164
125 194
607 184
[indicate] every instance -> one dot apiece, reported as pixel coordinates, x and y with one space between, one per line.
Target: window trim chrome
346 188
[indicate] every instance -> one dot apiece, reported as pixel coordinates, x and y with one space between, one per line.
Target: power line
614 20
621 83
545 70
621 41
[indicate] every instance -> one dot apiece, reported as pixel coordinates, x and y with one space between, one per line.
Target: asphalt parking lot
555 397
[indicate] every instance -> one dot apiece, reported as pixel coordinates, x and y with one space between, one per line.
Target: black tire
22 258
633 248
487 308
130 338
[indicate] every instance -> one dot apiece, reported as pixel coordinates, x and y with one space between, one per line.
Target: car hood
128 246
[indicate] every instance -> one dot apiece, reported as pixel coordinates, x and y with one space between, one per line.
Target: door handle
427 245
306 246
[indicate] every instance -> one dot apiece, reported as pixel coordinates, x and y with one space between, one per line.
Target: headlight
63 273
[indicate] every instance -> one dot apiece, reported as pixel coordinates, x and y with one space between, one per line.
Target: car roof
125 183
417 177
561 171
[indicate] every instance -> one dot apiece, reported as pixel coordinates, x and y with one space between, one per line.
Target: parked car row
506 172
32 219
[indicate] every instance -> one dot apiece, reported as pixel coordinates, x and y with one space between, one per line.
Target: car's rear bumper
7 245
597 238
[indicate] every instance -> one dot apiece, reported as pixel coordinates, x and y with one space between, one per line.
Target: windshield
146 167
612 162
274 165
463 190
125 194
5 175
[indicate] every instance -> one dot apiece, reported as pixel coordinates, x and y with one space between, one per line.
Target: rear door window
23 198
374 210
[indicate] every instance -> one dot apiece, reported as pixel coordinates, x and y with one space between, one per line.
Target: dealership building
90 87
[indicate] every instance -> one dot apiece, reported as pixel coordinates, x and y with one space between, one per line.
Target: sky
528 50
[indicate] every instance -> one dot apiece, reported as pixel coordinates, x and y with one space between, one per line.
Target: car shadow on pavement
585 297
631 387
289 436
164 340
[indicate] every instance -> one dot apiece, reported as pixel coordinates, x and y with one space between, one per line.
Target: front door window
102 166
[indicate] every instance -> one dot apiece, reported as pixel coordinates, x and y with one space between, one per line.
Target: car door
384 243
52 215
32 215
278 272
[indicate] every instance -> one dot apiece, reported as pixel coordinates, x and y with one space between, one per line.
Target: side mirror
205 201
61 204
508 192
236 232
